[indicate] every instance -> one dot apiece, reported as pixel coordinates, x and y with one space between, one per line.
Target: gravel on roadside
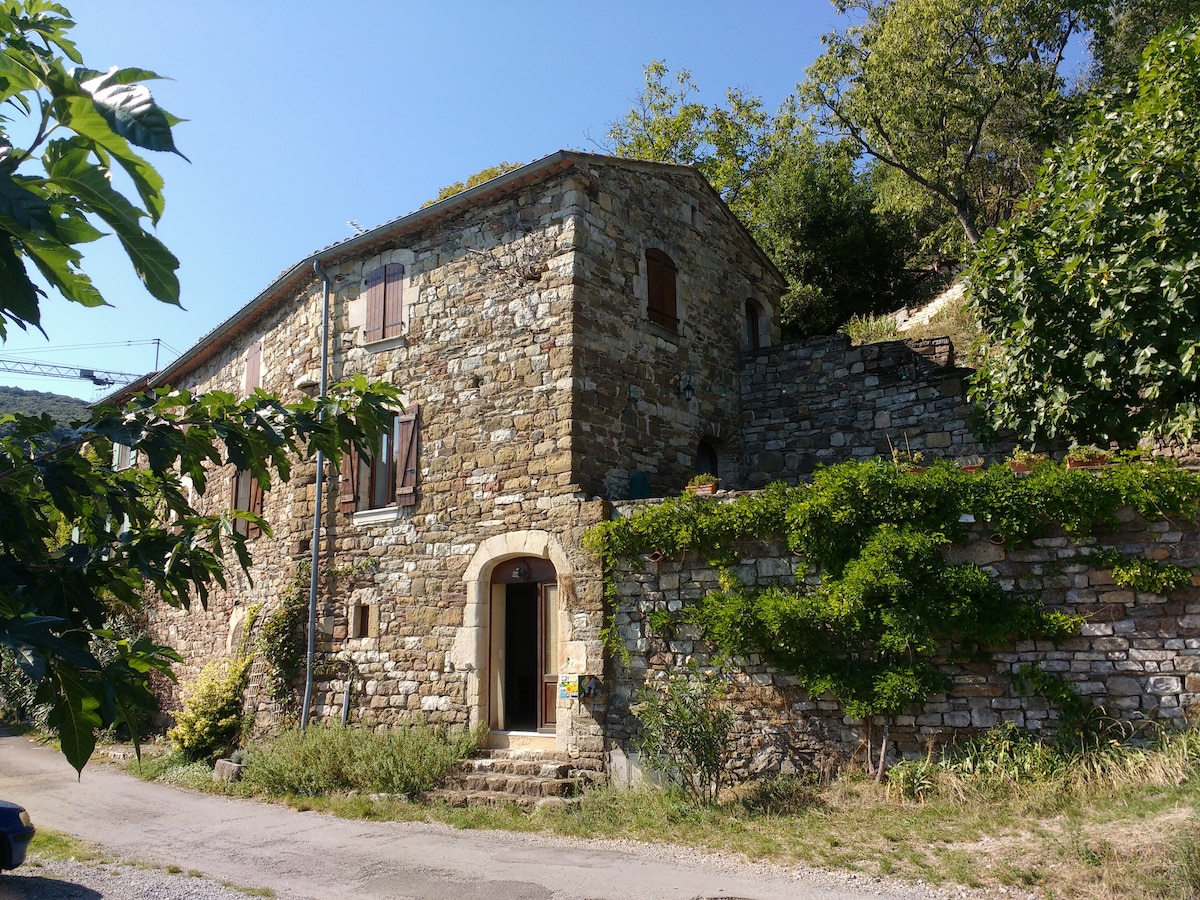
67 879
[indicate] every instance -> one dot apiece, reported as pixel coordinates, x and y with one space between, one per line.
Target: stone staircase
528 778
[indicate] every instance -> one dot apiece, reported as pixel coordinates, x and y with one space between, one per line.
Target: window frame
385 303
387 479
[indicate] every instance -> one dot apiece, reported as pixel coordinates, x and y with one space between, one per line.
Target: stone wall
633 415
1138 654
825 401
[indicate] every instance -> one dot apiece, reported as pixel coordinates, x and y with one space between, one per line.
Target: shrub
211 719
685 732
325 758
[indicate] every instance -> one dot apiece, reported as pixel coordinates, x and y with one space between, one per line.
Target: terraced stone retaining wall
1138 655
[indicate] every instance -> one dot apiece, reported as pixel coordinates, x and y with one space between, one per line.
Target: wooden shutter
254 366
407 441
660 289
393 300
238 498
254 504
348 482
376 292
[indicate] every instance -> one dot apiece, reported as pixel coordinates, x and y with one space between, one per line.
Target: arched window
706 459
660 290
754 323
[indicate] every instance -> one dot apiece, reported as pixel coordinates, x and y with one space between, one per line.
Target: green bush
212 720
685 732
324 759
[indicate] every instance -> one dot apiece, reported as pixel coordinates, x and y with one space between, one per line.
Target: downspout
317 504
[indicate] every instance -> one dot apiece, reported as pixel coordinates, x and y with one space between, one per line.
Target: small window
246 495
754 324
389 476
385 303
124 457
706 459
660 290
360 620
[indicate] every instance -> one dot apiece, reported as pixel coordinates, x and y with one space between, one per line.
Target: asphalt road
303 855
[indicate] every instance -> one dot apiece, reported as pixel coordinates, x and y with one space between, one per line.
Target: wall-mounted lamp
682 384
520 572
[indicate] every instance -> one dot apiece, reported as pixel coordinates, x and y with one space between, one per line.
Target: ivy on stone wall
886 602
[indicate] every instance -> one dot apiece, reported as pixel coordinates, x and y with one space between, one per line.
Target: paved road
312 855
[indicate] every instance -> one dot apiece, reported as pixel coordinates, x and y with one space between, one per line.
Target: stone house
571 337
566 335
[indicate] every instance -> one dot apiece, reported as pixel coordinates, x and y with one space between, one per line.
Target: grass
1118 821
953 321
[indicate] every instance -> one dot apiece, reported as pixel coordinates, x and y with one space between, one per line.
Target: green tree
78 537
1090 296
478 178
1121 31
952 93
815 215
81 124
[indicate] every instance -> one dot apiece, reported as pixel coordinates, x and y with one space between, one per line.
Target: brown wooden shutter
407 441
254 505
254 366
393 300
348 482
660 289
376 293
238 498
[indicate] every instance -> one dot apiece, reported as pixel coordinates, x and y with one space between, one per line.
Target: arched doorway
525 635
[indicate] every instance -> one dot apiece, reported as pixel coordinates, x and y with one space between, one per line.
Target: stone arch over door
473 648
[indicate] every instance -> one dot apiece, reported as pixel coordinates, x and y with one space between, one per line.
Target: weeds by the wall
324 759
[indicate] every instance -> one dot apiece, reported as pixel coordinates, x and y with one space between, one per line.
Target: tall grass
325 759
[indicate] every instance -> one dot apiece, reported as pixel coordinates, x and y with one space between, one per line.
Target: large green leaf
73 715
82 115
18 295
130 110
153 262
28 210
56 261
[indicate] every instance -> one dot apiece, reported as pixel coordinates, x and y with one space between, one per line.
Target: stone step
519 767
460 798
525 777
514 785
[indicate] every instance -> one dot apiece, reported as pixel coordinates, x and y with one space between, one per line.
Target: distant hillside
62 408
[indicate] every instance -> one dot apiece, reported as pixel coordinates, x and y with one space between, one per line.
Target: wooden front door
525 638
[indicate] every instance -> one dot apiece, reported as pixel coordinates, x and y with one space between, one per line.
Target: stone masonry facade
540 394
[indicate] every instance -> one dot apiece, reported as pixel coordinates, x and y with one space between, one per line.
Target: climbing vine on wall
887 601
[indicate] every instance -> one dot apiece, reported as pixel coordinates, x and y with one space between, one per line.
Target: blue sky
304 116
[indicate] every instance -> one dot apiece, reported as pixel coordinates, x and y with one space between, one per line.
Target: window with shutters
246 495
385 303
388 478
660 290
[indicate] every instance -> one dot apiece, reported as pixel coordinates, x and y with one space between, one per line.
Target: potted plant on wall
1087 457
704 484
1022 462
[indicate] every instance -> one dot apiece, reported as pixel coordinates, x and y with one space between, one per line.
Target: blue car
16 831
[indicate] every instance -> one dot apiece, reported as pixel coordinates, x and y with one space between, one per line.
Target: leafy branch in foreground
77 536
82 126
